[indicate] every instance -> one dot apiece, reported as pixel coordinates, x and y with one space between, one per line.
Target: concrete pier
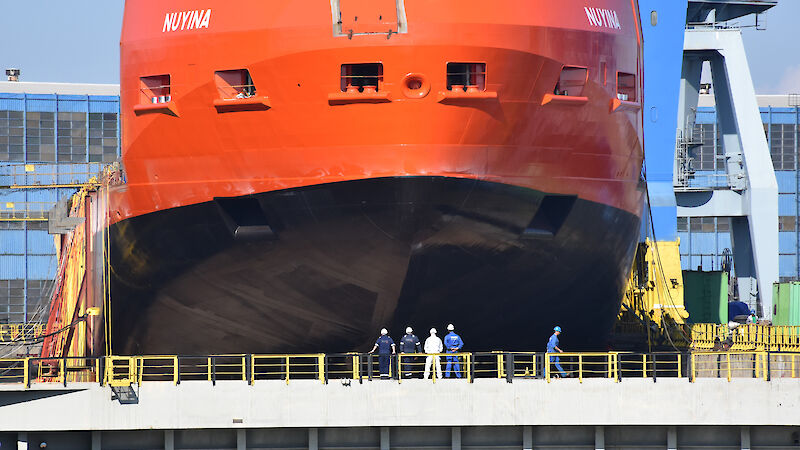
595 414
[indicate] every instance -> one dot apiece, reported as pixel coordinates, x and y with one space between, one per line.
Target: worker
552 347
409 343
433 346
453 344
386 348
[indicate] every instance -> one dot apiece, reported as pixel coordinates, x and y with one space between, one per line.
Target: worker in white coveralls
433 345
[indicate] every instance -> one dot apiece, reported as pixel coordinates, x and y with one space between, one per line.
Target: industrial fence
360 367
20 332
747 337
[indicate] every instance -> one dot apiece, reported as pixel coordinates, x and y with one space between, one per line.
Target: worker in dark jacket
386 348
409 343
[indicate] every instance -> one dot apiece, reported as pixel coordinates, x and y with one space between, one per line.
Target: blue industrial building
705 240
55 136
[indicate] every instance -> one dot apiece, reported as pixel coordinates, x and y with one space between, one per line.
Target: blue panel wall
782 127
27 251
663 58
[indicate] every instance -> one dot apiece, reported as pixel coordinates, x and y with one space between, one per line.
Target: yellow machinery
653 302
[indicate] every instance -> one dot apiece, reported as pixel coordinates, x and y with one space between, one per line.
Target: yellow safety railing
434 366
581 365
745 337
21 332
128 370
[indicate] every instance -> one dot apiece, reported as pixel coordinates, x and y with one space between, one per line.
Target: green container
706 296
786 303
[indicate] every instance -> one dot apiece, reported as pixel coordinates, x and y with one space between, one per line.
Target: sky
77 41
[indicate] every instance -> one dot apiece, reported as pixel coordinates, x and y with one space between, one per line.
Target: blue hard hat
557 328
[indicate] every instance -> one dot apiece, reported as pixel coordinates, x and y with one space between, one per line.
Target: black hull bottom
323 268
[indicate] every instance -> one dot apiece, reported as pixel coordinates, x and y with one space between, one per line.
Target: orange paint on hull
292 51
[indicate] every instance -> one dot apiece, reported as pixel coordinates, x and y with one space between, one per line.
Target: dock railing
364 367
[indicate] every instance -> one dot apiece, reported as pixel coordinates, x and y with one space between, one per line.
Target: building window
683 224
71 139
706 153
723 224
155 89
463 76
787 223
233 84
781 146
626 86
12 145
103 142
366 77
40 140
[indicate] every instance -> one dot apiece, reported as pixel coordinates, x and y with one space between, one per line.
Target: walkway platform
487 413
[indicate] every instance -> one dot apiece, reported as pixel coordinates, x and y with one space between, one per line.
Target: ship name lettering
187 20
600 17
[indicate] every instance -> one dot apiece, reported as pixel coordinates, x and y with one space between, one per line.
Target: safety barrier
746 337
360 367
21 332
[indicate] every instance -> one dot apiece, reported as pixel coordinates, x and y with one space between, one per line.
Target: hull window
234 84
571 82
155 89
626 87
366 77
466 76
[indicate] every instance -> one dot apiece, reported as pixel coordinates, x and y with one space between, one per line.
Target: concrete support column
456 438
241 439
97 443
384 438
527 438
672 438
313 439
169 440
22 441
745 441
599 438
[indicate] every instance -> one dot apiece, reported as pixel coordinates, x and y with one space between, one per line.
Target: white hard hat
409 330
384 331
433 330
450 327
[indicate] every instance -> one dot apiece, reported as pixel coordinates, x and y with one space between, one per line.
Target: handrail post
509 367
500 365
769 367
63 363
213 371
728 355
644 365
249 367
26 372
369 367
471 370
399 367
176 362
679 365
322 363
547 366
691 367
580 367
654 365
287 369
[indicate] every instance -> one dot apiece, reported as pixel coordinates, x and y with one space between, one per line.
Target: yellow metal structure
612 366
653 302
21 332
655 287
746 337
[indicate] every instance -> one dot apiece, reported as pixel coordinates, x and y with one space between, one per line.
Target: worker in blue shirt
552 347
386 348
452 344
